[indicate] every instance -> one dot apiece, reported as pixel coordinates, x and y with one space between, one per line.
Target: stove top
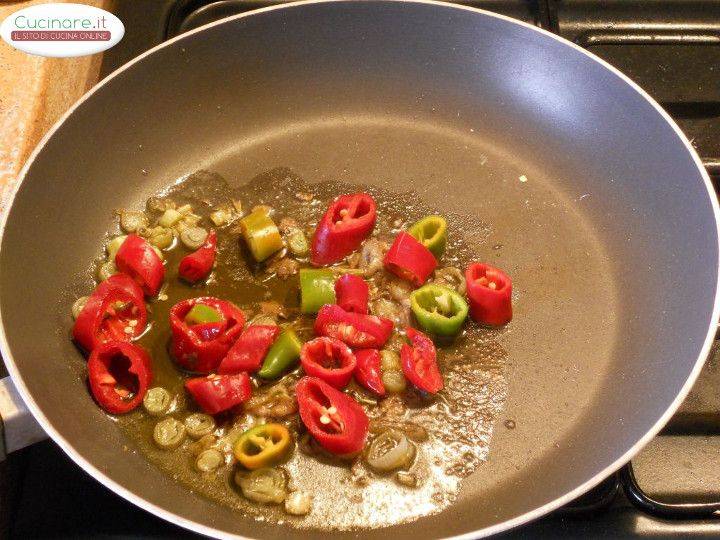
672 49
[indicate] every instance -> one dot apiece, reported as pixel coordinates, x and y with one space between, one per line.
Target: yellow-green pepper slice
262 446
261 234
317 288
283 354
431 231
202 314
438 310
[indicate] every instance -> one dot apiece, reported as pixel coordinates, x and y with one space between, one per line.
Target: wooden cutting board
34 92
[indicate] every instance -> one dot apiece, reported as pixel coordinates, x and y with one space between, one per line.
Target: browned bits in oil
304 196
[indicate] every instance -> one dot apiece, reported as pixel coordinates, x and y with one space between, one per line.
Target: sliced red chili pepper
490 293
119 374
208 331
198 264
115 311
328 359
348 221
336 421
138 259
419 362
217 393
354 329
367 370
249 350
410 260
352 293
201 347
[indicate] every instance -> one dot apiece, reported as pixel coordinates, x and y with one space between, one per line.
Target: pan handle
18 427
647 504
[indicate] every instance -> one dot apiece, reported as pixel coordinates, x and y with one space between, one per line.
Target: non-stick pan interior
592 201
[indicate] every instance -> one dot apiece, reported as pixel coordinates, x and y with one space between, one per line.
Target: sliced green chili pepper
209 460
431 231
297 243
438 310
168 433
282 354
157 401
202 314
262 446
198 425
261 234
317 288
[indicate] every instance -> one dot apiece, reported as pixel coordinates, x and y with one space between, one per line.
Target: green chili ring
431 231
283 354
438 310
317 288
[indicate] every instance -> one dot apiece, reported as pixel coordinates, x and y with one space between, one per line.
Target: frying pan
592 198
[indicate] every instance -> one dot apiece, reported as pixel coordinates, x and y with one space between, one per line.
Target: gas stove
672 488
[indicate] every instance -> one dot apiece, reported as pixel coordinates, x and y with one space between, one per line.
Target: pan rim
527 517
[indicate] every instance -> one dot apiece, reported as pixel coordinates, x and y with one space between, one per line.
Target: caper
157 401
168 433
193 237
199 425
78 306
209 460
130 222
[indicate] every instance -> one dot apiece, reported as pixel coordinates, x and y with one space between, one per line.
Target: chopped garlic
221 217
298 503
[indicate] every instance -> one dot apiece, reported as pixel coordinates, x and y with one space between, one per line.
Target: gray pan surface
612 240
